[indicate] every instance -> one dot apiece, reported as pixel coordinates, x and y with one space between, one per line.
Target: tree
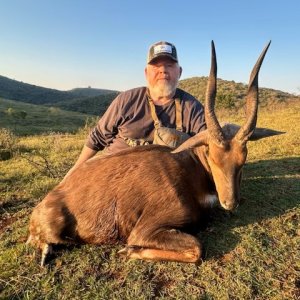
225 100
16 115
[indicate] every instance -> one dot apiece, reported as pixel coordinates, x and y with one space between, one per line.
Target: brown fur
143 196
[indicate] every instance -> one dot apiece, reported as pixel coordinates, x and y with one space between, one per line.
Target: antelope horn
251 101
212 123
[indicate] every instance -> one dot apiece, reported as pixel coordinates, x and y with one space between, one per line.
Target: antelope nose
230 205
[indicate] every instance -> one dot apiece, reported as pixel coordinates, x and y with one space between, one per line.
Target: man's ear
145 71
180 71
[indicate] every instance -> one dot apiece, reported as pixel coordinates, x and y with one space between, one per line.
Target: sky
65 44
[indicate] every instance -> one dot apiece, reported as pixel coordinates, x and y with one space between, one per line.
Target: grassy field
39 119
252 253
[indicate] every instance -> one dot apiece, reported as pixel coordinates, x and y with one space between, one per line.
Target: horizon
66 45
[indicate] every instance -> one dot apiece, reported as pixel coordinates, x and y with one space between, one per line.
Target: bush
8 143
52 156
225 101
90 122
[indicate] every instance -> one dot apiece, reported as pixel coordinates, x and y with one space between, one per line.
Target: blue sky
103 44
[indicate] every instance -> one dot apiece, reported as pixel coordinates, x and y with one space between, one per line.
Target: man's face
162 76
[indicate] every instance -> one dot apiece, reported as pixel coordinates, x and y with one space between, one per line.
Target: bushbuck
151 197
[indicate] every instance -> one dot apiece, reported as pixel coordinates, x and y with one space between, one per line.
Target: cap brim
162 55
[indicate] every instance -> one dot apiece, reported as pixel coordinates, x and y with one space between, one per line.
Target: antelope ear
260 133
230 131
197 140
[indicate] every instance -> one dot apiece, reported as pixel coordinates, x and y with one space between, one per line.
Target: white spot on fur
211 200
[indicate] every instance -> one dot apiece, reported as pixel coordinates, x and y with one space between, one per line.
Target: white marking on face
211 200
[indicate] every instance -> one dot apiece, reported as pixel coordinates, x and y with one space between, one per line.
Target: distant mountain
20 91
90 92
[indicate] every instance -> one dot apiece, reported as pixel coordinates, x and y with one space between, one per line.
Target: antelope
151 197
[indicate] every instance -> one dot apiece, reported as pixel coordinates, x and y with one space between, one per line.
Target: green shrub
225 101
8 142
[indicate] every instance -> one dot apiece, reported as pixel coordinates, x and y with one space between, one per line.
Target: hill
20 91
90 92
90 105
231 94
28 119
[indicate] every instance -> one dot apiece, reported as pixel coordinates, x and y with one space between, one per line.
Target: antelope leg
46 249
168 245
187 256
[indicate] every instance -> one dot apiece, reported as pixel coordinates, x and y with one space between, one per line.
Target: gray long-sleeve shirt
129 116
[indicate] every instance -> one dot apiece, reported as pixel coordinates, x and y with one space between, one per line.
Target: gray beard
166 90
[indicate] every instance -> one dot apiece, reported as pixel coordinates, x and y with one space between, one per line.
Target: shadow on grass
14 205
270 189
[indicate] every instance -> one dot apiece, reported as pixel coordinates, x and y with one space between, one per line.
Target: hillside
89 105
20 91
27 119
90 92
232 94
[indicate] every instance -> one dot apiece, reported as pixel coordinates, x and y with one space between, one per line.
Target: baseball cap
160 49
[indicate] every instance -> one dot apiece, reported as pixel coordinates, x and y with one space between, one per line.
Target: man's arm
86 153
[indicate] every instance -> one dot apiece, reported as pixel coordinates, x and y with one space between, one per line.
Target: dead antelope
150 197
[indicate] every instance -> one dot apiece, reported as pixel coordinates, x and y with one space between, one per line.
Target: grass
39 119
252 253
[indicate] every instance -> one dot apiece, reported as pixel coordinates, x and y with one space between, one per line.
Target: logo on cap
162 49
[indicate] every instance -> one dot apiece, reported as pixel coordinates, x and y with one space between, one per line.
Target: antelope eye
207 150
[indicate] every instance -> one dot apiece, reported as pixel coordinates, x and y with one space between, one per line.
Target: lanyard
178 115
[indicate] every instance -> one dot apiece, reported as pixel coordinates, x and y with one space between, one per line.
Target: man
132 116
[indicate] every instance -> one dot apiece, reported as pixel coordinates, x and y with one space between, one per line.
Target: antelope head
223 150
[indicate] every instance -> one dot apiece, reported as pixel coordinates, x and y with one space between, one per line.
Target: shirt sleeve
107 127
197 119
